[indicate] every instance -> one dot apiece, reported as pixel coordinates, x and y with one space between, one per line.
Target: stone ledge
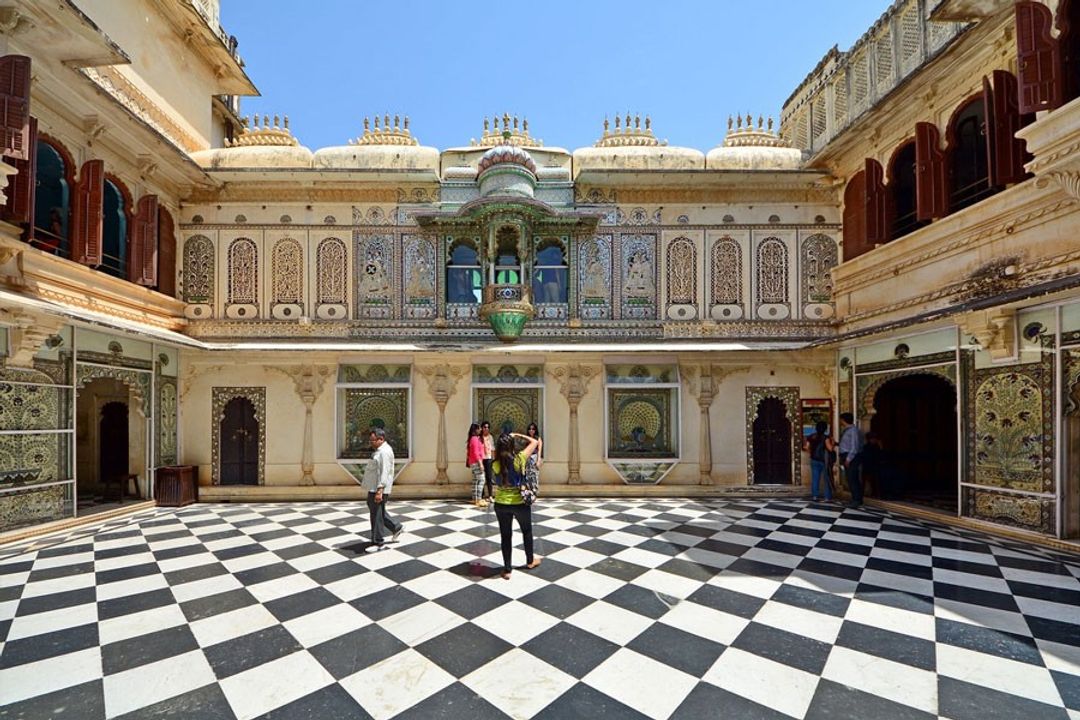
69 523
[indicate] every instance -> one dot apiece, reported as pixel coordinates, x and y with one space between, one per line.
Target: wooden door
772 443
239 444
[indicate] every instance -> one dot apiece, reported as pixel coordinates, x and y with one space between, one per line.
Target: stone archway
789 397
96 386
221 396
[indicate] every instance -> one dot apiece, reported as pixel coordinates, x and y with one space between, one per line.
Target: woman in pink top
474 460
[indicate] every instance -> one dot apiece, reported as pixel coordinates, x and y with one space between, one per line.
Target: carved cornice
797 329
278 192
743 192
120 88
1069 182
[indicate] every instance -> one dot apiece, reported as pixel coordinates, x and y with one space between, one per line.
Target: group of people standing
823 449
508 478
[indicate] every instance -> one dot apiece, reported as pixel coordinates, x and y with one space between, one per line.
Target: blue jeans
817 476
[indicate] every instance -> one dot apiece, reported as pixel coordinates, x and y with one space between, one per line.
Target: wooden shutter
1008 156
166 277
990 131
142 265
931 183
19 207
1038 58
877 220
15 107
855 216
89 196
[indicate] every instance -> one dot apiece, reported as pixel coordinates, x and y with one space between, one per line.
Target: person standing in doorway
489 455
379 481
819 445
852 441
509 471
474 460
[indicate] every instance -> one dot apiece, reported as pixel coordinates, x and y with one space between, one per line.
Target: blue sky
562 64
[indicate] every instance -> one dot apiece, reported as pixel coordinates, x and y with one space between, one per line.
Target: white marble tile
761 587
395 684
281 587
1001 674
358 586
610 622
655 690
1065 582
800 621
972 580
518 683
250 562
903 583
705 622
667 583
590 583
45 676
520 584
313 628
147 684
44 622
63 560
140 623
886 617
134 586
57 585
645 558
205 588
768 683
186 561
256 691
515 622
895 681
981 615
772 557
1059 656
228 625
304 563
420 622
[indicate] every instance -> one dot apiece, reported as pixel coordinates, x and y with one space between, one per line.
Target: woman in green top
508 471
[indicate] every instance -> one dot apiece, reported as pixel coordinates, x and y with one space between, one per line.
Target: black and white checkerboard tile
641 608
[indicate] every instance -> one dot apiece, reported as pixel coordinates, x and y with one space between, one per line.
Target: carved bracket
308 380
995 331
442 380
704 380
27 334
574 380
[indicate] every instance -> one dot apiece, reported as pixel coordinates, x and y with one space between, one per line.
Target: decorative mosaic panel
1011 412
374 275
594 278
29 507
34 407
378 373
726 278
1071 382
47 372
287 271
789 395
819 257
420 286
508 374
166 421
638 280
220 397
772 272
1022 511
331 272
681 272
367 408
508 409
138 382
641 374
641 423
198 272
642 473
243 281
29 459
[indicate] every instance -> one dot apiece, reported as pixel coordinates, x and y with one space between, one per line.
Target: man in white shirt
379 481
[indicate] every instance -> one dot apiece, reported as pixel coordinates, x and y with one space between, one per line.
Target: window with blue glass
464 280
52 200
114 231
550 273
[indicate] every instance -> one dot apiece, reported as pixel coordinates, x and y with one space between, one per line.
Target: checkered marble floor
641 608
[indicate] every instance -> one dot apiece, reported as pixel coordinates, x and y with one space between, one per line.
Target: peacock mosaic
370 408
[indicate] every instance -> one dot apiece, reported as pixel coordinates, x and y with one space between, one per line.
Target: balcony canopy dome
750 148
263 145
386 147
633 146
506 170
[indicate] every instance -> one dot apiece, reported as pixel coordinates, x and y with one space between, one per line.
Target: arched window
682 272
550 273
901 188
114 229
287 271
507 259
855 216
818 260
52 198
331 271
199 270
772 272
243 272
969 166
464 283
726 272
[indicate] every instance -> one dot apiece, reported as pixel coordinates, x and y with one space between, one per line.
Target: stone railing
845 85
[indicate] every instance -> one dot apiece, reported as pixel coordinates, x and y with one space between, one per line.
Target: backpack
522 483
818 451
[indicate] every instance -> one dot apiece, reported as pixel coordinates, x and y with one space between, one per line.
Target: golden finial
485 125
406 123
618 120
730 123
648 124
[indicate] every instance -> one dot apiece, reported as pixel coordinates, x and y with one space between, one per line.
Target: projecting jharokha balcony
507 308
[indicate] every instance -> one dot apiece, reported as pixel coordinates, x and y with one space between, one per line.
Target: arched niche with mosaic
789 396
681 277
819 255
369 408
1071 384
242 299
166 420
219 398
375 373
287 280
551 277
637 289
375 274
331 279
867 386
594 278
771 279
137 382
420 289
508 409
198 273
642 423
726 279
508 374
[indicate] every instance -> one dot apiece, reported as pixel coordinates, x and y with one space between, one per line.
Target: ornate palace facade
180 287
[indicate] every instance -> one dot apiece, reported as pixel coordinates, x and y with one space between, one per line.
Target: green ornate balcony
507 308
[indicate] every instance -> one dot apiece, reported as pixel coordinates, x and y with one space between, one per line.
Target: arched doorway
113 446
915 458
110 438
772 443
239 443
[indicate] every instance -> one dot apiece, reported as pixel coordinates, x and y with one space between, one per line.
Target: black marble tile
211 605
338 571
104 577
267 535
816 600
265 573
454 703
729 601
144 649
759 569
137 547
251 650
975 596
40 647
641 600
602 547
56 601
1054 630
893 567
833 701
570 649
403 572
735 550
988 640
420 549
894 646
78 702
688 569
784 647
108 609
784 547
329 703
1069 687
1048 593
344 655
302 550
55 552
676 648
709 701
619 569
472 601
205 703
582 701
199 572
238 551
183 551
832 569
557 601
463 649
301 603
959 700
387 602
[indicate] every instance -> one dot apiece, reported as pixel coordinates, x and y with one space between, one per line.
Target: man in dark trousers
852 441
379 481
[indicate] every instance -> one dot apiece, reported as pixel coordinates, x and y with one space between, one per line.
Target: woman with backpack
508 472
819 445
474 460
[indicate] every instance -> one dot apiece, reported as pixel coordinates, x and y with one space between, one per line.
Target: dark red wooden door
772 443
239 444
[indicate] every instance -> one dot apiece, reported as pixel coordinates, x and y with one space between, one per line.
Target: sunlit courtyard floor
641 608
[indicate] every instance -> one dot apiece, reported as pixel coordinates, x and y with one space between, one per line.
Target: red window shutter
1038 58
15 107
1009 150
855 216
931 186
89 195
166 269
877 221
990 132
19 207
142 265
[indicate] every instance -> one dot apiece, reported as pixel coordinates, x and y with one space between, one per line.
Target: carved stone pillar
442 381
704 381
309 381
574 380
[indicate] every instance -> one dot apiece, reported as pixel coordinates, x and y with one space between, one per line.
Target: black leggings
506 515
